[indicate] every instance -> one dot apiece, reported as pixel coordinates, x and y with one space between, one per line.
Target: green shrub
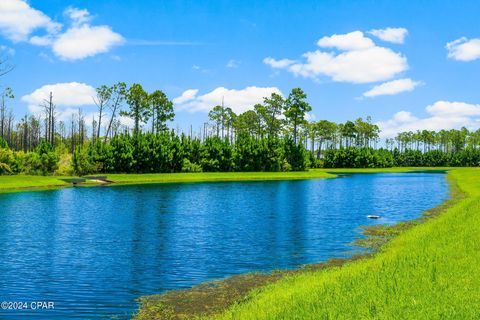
7 161
188 166
82 162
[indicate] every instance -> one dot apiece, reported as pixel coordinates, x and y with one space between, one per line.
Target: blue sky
425 67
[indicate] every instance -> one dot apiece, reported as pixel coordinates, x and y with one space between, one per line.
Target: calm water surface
93 251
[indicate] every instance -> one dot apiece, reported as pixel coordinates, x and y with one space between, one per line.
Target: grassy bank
214 176
24 183
428 272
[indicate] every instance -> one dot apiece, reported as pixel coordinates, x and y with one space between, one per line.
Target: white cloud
187 95
347 42
233 64
44 41
84 41
363 66
78 16
443 115
18 20
126 121
64 94
394 35
446 108
392 87
278 64
464 49
239 100
66 97
360 60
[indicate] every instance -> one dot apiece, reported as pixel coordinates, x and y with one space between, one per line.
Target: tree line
225 143
274 135
455 147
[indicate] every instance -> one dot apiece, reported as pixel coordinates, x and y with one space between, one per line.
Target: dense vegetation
272 136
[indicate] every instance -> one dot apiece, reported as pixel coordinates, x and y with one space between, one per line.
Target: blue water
93 251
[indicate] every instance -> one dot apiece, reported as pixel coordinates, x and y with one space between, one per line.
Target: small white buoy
372 216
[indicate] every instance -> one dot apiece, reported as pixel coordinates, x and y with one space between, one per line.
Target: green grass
17 183
214 176
23 183
430 271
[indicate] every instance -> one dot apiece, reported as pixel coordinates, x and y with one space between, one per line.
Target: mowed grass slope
431 271
214 176
23 182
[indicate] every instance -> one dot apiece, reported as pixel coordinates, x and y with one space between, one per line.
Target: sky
408 64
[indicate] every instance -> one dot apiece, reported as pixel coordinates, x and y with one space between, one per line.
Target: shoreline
26 183
425 270
215 297
45 183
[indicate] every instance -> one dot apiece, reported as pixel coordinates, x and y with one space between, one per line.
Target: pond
93 251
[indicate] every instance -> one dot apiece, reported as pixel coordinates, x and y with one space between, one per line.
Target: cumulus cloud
68 97
357 60
65 94
464 49
446 108
186 96
393 35
65 97
347 42
239 100
392 87
44 41
18 20
84 41
442 115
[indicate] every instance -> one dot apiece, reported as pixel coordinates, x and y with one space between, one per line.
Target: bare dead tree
81 127
61 130
104 94
35 131
72 134
49 109
25 133
94 129
7 93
